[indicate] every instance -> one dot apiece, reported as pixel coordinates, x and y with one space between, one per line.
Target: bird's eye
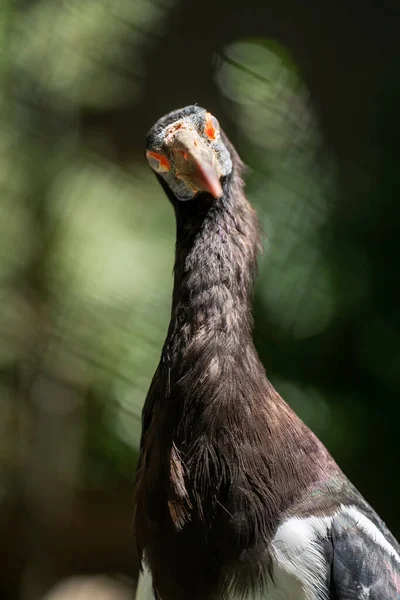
212 127
158 162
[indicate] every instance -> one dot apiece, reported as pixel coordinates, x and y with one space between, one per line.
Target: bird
235 497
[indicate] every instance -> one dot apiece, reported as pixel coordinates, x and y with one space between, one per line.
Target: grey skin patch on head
181 150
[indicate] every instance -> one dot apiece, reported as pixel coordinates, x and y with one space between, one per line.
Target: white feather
299 566
370 529
144 590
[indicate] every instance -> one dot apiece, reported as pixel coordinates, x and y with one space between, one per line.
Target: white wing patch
300 569
370 529
144 590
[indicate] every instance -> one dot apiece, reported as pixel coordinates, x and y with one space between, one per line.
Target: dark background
309 92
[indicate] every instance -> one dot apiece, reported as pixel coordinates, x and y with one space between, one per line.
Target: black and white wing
363 556
348 555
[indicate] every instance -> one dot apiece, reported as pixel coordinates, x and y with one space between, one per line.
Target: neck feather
216 253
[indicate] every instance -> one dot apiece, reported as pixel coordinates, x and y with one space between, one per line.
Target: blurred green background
310 99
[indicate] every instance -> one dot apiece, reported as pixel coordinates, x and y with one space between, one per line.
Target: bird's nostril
184 154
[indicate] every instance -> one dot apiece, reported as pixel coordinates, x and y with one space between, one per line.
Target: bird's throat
216 253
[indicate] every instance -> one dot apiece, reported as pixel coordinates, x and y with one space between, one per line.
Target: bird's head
186 149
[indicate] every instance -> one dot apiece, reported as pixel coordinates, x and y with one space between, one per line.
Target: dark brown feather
223 458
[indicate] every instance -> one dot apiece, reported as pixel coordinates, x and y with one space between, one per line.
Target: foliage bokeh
86 256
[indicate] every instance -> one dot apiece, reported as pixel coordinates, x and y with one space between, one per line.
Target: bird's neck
216 252
223 456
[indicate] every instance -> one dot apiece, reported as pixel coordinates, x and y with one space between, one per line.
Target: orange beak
196 162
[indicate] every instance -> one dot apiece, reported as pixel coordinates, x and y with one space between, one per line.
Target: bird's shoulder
332 545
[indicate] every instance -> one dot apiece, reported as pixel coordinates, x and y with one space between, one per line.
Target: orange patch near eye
209 129
163 160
